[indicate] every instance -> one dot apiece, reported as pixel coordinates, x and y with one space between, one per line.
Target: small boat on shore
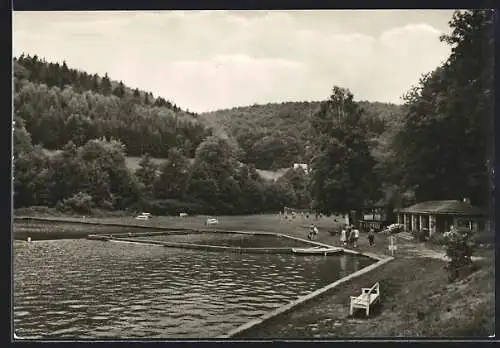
316 251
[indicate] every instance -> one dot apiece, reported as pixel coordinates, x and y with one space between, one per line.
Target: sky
209 60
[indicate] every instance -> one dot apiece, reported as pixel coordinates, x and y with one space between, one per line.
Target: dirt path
420 250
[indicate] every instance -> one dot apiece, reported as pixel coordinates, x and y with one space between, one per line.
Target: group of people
350 236
313 232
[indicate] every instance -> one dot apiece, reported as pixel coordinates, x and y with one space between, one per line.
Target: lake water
83 289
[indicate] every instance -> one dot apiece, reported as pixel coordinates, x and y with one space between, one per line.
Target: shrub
459 247
438 239
79 203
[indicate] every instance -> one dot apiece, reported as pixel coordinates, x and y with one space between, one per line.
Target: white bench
367 298
212 221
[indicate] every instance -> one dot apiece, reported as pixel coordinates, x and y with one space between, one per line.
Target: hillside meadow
132 163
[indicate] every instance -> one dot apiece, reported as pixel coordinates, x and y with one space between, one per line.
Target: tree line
55 75
95 175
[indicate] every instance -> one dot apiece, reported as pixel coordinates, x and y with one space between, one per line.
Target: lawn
264 222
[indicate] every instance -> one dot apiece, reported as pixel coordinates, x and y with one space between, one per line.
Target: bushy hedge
80 202
459 248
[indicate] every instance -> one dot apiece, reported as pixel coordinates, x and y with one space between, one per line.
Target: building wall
443 223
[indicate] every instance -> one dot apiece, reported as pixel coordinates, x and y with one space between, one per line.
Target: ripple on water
82 288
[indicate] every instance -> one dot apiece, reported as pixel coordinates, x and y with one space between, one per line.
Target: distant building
304 166
375 216
439 216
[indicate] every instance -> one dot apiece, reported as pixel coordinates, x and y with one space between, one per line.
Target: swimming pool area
84 289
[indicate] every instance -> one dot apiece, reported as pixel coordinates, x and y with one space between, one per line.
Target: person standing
343 236
311 232
315 231
371 237
356 237
351 236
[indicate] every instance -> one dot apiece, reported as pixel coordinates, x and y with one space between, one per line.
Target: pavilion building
439 216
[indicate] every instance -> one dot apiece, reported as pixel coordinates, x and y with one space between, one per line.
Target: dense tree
201 185
285 194
108 180
21 137
32 178
297 177
219 155
444 147
68 173
147 173
173 177
95 85
53 117
252 193
105 85
342 176
119 90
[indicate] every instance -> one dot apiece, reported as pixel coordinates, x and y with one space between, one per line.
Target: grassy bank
417 300
264 222
44 230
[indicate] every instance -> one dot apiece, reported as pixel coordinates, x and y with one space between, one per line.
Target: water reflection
91 289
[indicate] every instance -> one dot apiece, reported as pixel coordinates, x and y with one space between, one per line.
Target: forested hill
59 104
275 135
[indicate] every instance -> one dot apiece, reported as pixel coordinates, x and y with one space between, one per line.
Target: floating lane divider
301 300
281 250
305 240
319 249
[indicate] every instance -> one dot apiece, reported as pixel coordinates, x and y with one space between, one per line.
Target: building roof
449 207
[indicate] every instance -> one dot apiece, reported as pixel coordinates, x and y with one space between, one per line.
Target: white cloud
205 60
228 80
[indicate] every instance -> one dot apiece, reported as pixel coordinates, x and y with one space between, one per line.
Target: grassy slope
133 164
417 301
